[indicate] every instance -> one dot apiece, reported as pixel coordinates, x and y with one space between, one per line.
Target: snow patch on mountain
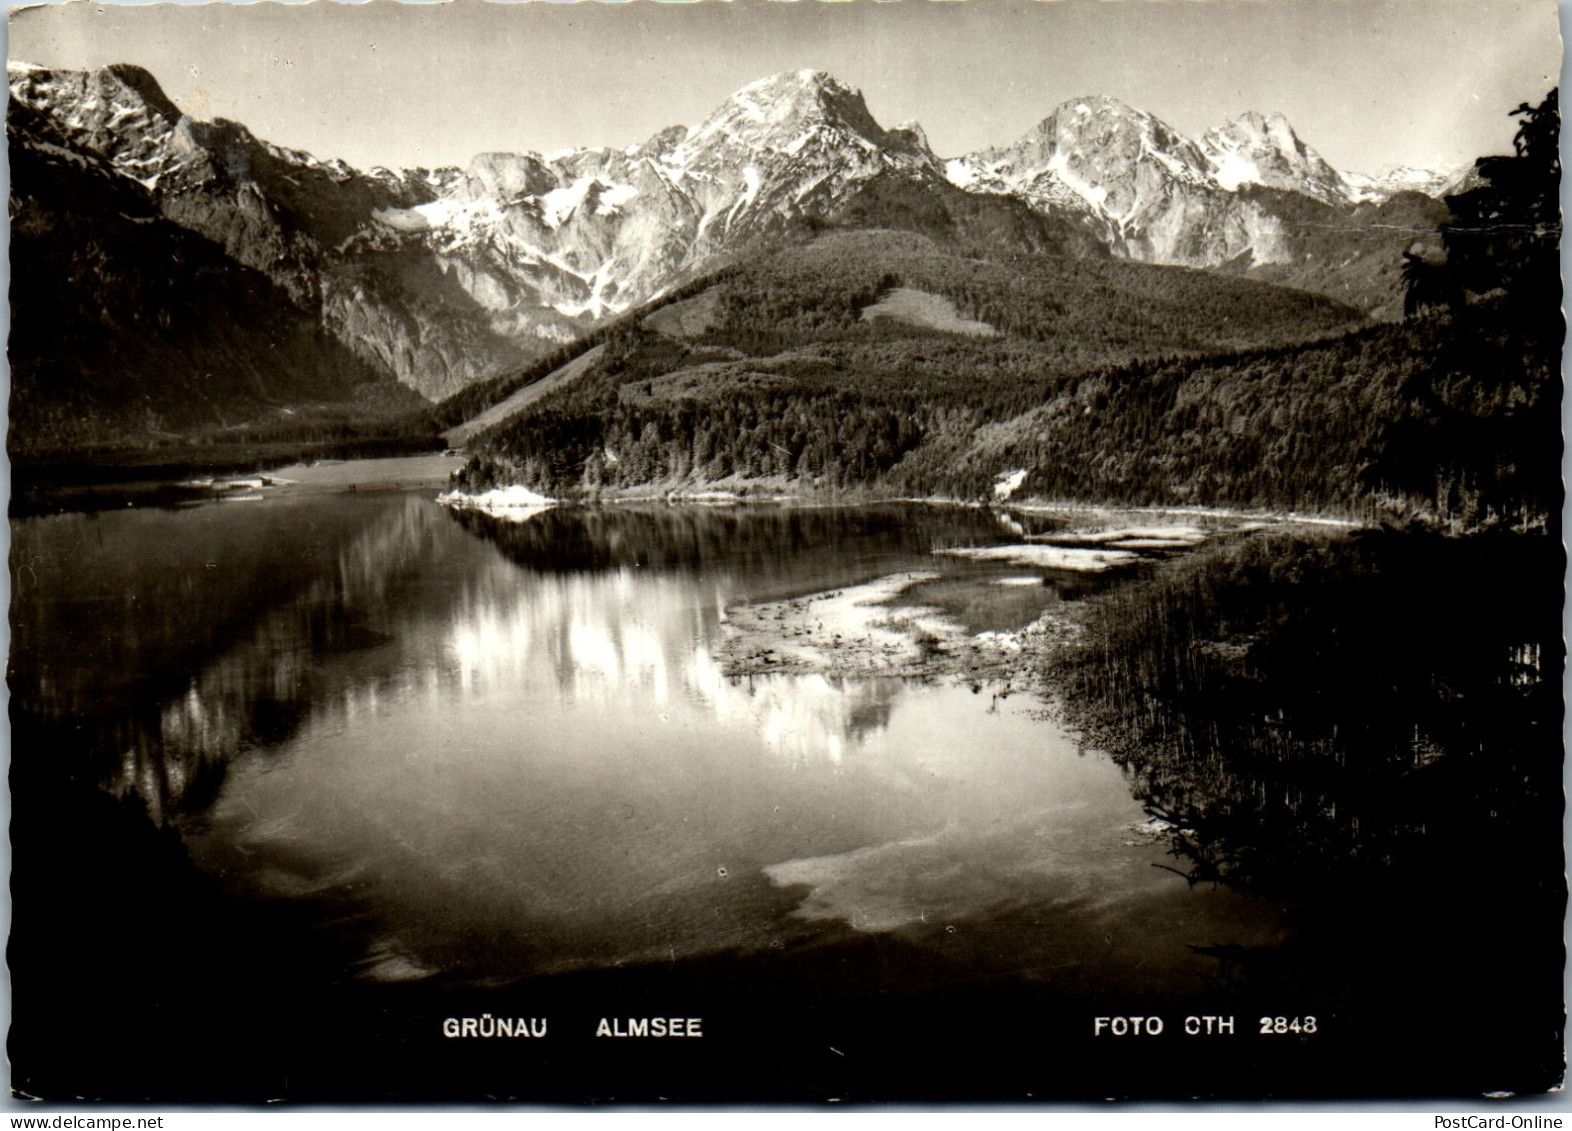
1235 169
613 197
560 203
750 192
959 173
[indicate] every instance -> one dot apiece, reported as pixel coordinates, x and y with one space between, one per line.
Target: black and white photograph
993 552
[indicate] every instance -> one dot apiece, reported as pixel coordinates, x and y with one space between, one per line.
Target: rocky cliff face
1152 194
438 278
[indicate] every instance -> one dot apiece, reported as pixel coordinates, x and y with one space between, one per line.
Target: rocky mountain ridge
1153 195
438 278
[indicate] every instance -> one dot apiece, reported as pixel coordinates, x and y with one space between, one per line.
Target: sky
1368 83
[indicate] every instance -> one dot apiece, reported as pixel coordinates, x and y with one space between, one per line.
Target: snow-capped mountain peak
437 276
1263 149
118 112
1151 193
1099 157
510 175
789 113
1093 146
587 232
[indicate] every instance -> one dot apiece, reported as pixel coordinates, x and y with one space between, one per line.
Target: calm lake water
489 750
414 764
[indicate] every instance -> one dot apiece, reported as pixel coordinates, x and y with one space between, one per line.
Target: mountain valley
436 279
787 293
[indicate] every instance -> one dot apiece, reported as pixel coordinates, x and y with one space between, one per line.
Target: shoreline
715 495
867 631
111 486
176 486
882 628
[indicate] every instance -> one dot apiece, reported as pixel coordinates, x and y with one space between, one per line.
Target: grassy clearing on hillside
925 311
461 434
686 318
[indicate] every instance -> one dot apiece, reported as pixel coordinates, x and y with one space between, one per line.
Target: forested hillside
790 373
1332 426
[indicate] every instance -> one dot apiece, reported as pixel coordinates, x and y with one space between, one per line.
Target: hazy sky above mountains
1368 83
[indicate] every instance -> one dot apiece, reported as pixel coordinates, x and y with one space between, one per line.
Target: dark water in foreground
453 765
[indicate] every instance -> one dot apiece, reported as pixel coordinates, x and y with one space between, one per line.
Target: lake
461 763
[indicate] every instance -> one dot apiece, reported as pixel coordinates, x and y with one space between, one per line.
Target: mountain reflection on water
500 748
178 639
